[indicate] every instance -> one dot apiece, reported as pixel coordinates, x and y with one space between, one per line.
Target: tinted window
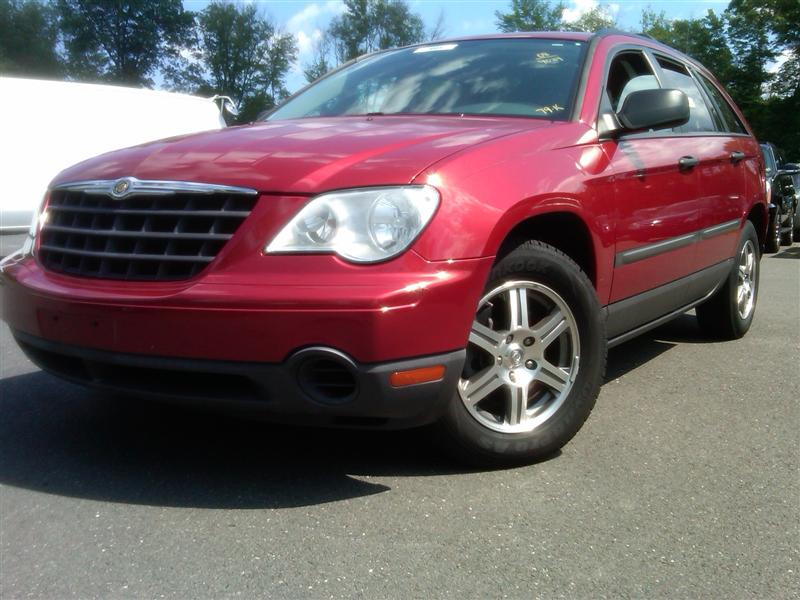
729 120
768 159
525 77
677 77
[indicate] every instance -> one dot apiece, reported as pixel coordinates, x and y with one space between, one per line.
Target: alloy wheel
746 282
522 357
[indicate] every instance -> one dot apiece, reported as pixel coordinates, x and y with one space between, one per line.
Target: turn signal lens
415 376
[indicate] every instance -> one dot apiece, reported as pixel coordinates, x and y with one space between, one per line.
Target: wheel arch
562 229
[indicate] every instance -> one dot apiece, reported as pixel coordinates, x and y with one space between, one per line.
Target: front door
657 198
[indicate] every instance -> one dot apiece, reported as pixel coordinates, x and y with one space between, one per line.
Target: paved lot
684 483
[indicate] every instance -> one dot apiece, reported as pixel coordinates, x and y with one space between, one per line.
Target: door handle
688 162
737 156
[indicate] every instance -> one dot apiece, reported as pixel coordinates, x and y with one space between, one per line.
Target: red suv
453 233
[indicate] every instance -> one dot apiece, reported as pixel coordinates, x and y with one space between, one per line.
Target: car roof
578 36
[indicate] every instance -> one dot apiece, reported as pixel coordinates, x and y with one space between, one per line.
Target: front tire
729 313
535 361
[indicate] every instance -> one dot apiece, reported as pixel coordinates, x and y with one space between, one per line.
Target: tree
123 41
370 25
748 36
703 39
531 15
321 63
28 39
238 53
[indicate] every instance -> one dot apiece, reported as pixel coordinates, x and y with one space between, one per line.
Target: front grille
141 237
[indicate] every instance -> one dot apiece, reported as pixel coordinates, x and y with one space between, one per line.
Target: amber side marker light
414 376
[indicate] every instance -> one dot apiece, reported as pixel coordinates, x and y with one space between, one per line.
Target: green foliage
124 41
370 25
738 46
544 15
321 63
702 39
531 15
28 39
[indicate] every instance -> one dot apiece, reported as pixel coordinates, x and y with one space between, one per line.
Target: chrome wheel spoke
517 405
482 384
552 376
485 338
518 307
550 328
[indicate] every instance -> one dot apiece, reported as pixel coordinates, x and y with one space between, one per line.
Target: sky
306 20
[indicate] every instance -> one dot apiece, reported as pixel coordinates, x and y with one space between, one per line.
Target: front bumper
340 393
256 312
240 334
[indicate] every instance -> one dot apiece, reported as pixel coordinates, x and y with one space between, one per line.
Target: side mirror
226 105
791 168
654 109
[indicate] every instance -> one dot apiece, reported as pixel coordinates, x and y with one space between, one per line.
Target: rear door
724 153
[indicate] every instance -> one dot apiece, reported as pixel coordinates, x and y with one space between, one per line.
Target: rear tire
538 346
728 314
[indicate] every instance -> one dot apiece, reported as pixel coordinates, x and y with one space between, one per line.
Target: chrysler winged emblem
121 187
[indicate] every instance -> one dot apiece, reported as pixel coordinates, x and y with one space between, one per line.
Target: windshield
516 77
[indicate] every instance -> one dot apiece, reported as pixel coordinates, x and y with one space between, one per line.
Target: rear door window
730 122
676 76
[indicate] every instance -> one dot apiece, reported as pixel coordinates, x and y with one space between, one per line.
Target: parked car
781 198
793 169
449 233
55 124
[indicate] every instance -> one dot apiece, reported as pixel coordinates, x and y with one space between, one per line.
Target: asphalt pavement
684 483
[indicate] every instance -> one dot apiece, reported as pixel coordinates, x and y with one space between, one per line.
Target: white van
47 126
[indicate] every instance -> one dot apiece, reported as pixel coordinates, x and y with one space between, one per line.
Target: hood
304 156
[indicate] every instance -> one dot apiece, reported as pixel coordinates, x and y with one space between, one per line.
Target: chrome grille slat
142 236
233 214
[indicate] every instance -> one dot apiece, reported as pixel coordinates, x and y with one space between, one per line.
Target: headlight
39 219
361 225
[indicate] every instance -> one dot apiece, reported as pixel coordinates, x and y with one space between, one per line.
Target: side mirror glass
226 105
653 109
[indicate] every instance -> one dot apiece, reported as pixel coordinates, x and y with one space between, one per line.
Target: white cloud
307 25
581 7
312 13
578 9
779 61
